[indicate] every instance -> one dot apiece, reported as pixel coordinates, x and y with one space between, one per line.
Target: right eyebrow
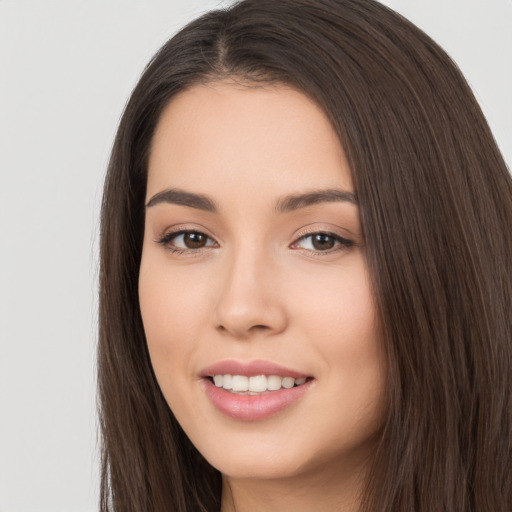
177 196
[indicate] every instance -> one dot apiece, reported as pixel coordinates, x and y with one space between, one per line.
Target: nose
250 300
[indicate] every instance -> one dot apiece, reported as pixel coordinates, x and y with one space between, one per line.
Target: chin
256 453
252 466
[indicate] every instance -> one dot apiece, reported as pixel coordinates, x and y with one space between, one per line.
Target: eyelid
178 229
315 229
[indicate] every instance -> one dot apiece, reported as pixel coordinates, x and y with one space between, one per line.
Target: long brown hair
435 199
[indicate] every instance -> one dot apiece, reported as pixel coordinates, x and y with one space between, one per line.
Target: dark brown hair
435 202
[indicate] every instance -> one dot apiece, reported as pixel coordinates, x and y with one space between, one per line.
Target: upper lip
250 369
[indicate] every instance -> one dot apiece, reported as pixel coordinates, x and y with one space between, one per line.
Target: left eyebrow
294 202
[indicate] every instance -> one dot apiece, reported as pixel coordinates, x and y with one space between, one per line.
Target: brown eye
194 240
323 242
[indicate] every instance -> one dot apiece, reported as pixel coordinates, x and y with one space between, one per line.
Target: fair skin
238 279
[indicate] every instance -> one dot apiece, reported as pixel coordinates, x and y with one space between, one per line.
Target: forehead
268 139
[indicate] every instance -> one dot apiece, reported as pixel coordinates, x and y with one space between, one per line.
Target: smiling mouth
257 384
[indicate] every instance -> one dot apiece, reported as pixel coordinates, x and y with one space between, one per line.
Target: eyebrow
297 201
177 196
283 205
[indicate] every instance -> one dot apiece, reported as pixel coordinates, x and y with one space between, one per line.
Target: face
253 285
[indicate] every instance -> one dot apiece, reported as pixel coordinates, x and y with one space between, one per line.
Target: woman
305 273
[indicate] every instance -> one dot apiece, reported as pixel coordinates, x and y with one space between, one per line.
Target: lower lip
253 407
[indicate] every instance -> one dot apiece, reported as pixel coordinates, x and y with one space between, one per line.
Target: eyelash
343 244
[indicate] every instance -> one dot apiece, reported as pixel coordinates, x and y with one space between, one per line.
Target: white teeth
258 383
240 383
255 384
274 382
227 382
288 382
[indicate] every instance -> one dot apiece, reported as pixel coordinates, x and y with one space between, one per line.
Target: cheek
175 308
173 312
173 299
355 341
338 306
341 324
353 338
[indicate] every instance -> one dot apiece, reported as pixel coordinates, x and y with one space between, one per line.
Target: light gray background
66 70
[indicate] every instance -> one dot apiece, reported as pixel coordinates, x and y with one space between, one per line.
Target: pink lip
249 369
252 407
